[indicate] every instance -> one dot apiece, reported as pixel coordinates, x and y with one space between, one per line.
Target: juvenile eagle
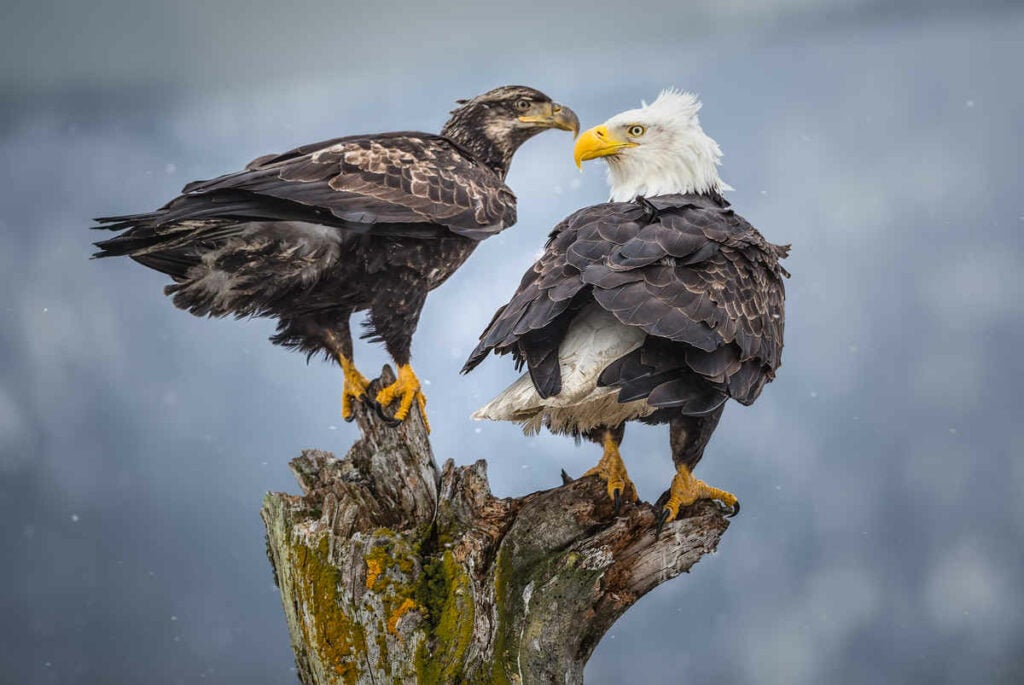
362 223
657 306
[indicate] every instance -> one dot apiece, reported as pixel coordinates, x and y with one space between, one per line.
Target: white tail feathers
594 340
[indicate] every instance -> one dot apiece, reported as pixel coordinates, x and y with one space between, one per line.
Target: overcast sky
882 533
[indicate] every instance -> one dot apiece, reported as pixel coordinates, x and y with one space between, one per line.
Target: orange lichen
396 615
374 568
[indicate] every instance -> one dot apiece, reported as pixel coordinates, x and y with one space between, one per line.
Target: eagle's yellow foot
406 388
354 388
686 490
612 471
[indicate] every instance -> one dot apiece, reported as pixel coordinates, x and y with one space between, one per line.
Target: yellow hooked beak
554 116
597 142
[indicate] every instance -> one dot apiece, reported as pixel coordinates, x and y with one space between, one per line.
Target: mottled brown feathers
361 223
389 184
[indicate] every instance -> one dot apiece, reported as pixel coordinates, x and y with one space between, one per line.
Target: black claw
388 420
365 401
617 498
735 509
566 478
662 517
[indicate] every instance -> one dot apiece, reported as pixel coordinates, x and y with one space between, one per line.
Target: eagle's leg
355 384
686 490
406 388
393 318
689 436
611 468
353 388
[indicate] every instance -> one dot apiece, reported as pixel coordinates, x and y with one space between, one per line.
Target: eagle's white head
658 149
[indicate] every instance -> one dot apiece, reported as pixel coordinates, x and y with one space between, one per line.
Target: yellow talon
686 490
612 471
354 387
406 387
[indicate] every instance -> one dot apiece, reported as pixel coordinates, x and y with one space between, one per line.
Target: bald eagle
363 223
657 306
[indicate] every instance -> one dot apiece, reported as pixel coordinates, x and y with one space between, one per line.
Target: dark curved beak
557 116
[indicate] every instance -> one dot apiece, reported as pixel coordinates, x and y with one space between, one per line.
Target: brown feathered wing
699 280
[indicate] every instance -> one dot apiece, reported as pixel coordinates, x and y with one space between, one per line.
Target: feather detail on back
700 284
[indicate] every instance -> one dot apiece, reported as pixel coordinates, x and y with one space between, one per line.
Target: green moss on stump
339 641
445 590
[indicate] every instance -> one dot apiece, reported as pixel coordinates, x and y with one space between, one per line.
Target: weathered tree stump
392 571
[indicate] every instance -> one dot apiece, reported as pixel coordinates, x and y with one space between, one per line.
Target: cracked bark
392 570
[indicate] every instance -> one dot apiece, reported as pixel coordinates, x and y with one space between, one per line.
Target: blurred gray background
881 475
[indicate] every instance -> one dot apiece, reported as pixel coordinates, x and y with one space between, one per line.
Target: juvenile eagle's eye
636 130
522 105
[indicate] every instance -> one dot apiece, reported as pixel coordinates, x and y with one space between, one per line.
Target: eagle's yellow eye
636 130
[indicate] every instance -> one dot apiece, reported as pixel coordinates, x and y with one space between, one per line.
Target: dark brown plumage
701 283
699 280
362 223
